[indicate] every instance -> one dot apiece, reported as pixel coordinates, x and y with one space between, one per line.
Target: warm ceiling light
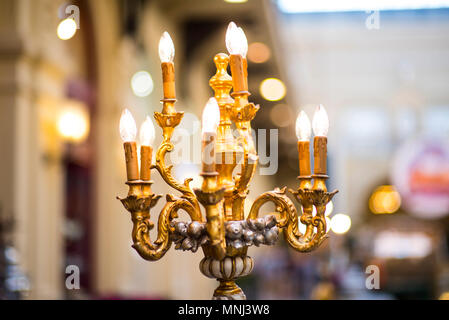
272 89
258 52
73 123
66 29
142 84
340 223
385 200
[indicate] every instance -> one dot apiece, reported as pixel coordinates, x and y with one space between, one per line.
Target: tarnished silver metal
189 236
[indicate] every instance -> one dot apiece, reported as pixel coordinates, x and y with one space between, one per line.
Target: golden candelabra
225 232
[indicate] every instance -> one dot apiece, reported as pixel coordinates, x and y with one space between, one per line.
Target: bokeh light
235 1
272 89
340 223
282 115
142 84
258 52
385 200
73 123
66 29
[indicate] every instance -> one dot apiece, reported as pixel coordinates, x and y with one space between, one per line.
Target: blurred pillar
31 85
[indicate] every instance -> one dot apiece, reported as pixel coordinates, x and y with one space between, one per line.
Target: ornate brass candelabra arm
168 122
288 217
139 205
284 206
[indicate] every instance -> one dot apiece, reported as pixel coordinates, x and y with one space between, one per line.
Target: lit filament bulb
303 128
147 132
320 122
236 41
211 116
166 48
128 128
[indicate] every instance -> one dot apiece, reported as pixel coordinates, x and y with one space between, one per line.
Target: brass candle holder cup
225 232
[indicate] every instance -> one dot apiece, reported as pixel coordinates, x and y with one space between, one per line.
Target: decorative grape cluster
191 235
252 232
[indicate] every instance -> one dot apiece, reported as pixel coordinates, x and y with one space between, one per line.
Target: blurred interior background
383 77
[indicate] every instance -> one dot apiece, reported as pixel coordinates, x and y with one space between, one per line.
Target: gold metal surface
210 196
223 194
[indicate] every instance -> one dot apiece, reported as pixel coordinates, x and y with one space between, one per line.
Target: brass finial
221 82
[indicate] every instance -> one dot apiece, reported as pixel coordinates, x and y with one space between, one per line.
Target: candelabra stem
228 290
210 196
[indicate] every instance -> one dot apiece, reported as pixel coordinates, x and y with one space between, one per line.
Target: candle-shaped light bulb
166 48
236 40
128 128
303 132
147 132
167 54
303 127
147 135
320 122
320 125
237 45
211 116
128 132
211 119
232 35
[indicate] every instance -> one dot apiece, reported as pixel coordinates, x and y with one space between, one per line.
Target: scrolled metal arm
168 122
289 217
139 207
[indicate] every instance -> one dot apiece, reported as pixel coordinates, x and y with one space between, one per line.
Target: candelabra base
228 290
